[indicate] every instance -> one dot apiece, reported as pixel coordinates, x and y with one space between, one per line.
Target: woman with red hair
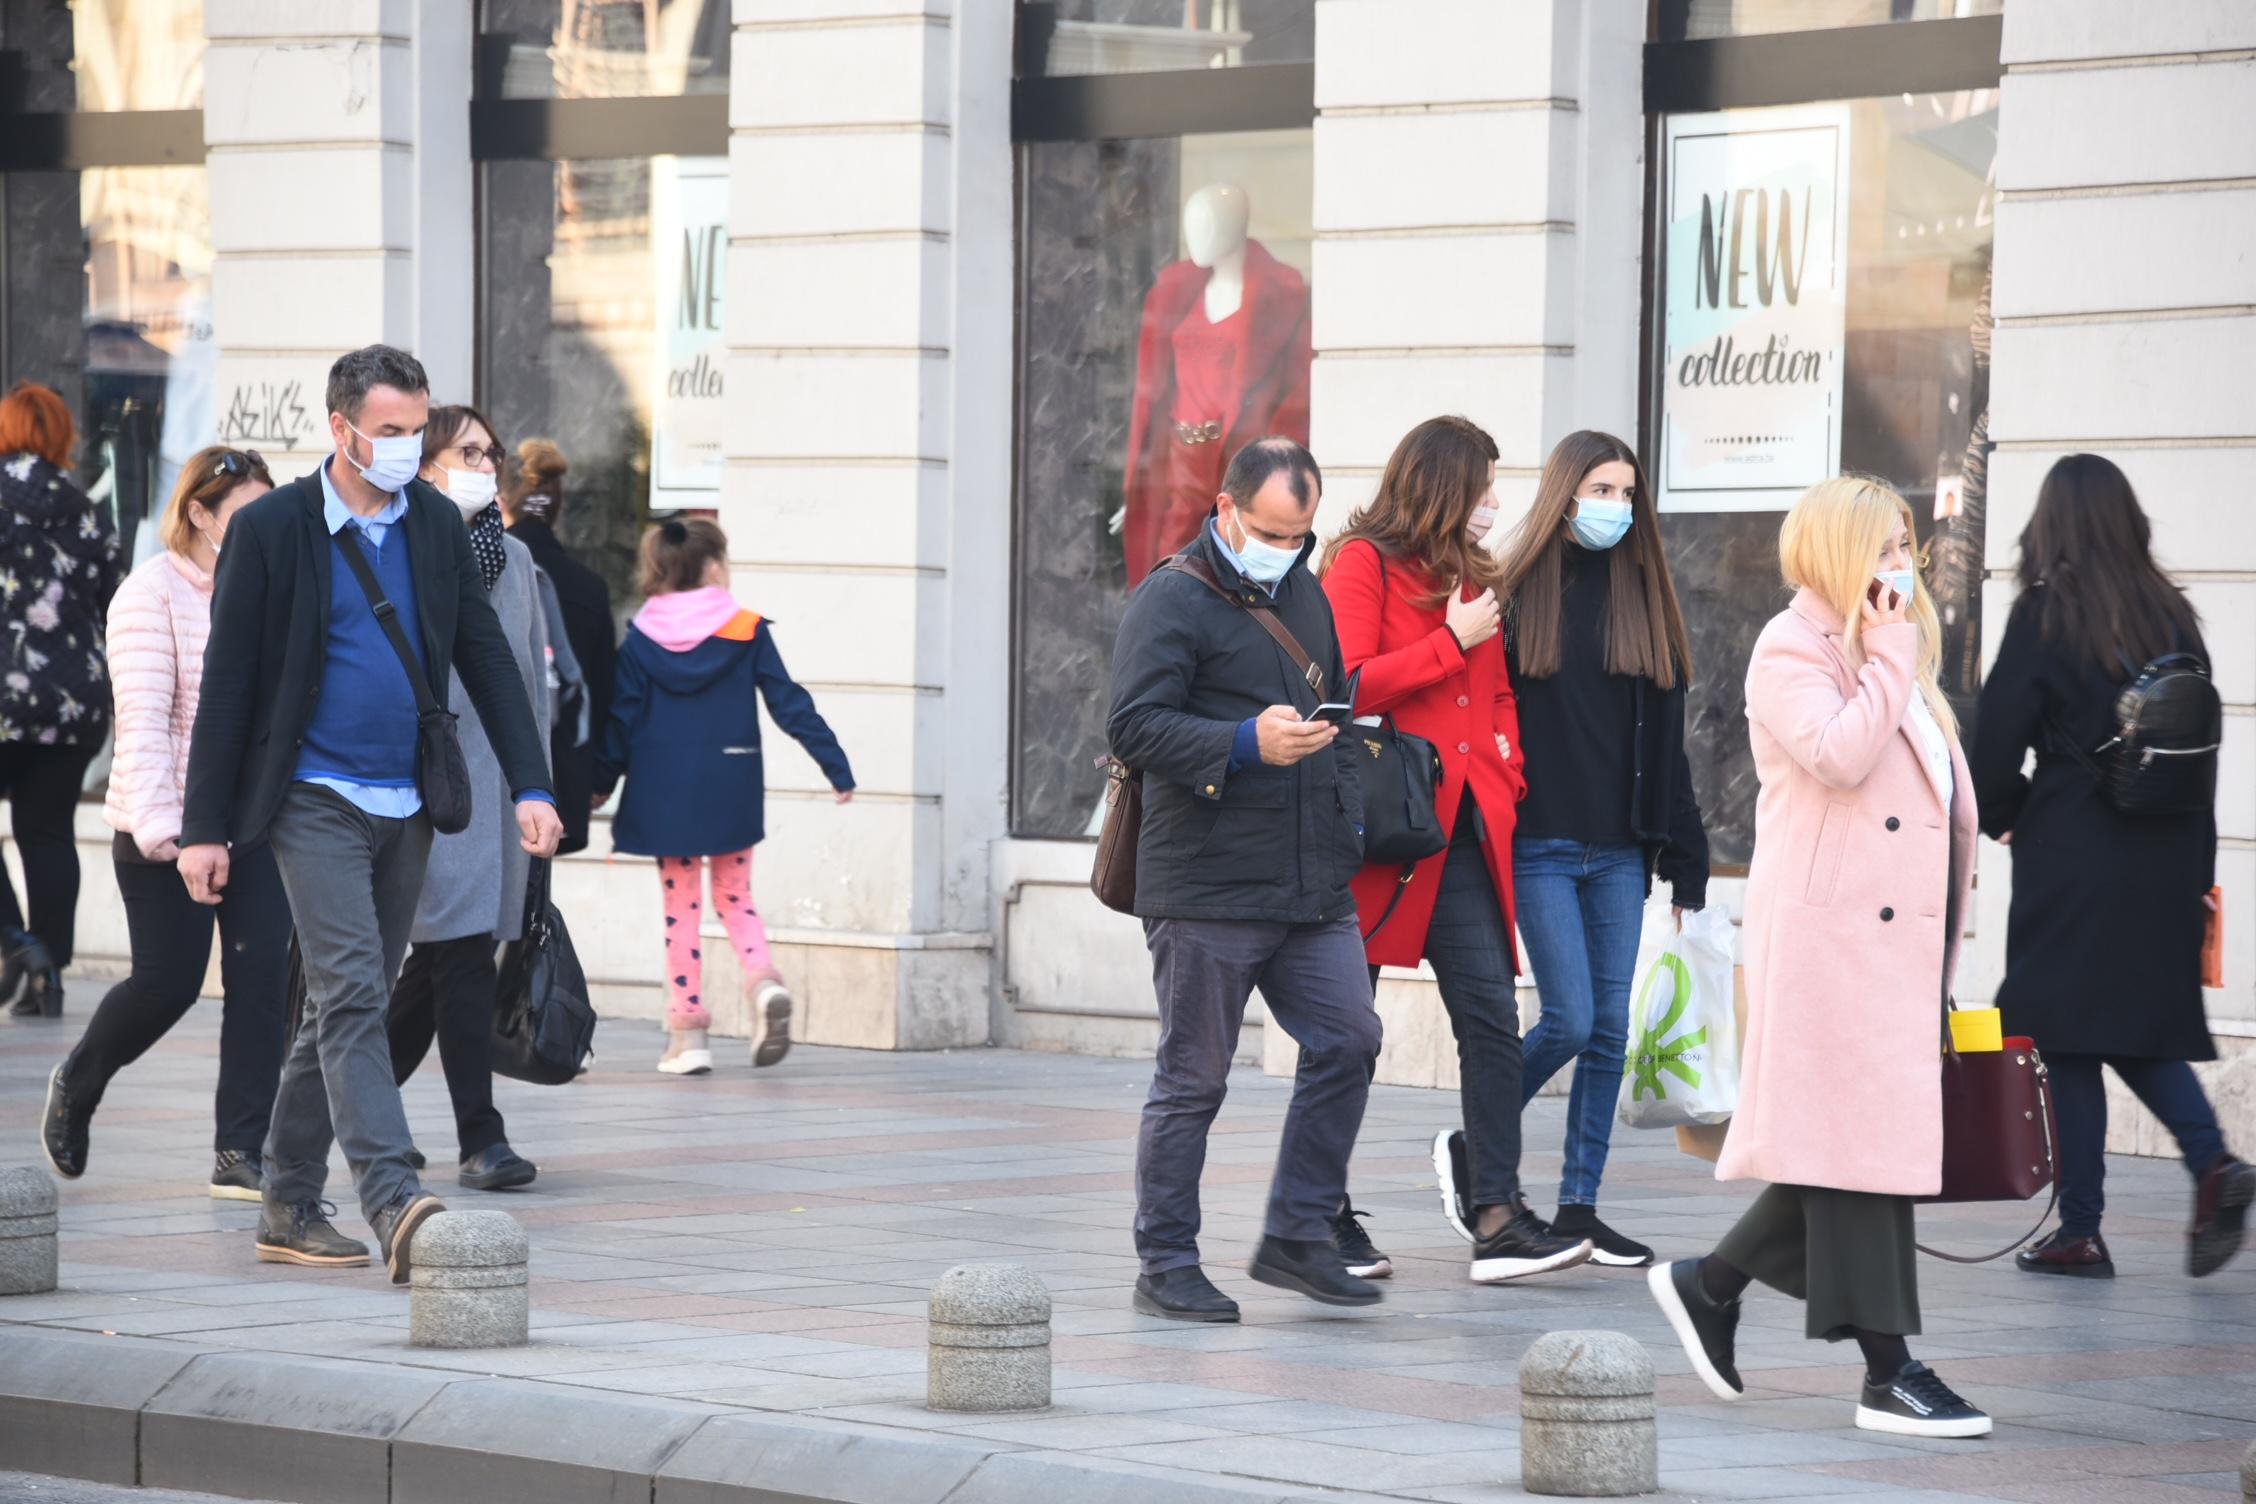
58 569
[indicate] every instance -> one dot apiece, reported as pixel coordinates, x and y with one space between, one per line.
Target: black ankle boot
29 965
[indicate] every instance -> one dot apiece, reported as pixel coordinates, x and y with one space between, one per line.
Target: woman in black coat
2103 948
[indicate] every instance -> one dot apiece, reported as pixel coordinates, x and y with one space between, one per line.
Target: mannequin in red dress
1222 359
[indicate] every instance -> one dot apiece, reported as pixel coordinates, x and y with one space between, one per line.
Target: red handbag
1998 1134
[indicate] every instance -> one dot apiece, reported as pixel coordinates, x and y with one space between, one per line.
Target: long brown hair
1432 482
1644 625
2105 600
208 479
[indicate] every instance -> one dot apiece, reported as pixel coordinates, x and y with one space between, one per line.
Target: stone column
989 1328
1586 1417
339 164
866 489
27 1232
2130 135
1479 219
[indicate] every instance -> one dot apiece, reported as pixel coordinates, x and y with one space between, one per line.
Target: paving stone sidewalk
763 1242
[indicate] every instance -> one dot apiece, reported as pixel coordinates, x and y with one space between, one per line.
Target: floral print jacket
58 570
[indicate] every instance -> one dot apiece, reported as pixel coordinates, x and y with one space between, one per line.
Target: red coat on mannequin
1247 376
1461 702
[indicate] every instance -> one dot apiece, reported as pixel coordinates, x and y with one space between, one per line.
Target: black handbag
544 1024
442 778
1400 774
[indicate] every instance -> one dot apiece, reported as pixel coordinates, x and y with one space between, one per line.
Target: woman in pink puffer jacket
158 622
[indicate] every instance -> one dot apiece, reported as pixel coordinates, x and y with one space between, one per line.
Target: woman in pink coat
158 622
1864 849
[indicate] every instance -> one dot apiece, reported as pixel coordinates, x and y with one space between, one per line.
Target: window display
1059 38
1761 383
604 49
1164 323
1698 20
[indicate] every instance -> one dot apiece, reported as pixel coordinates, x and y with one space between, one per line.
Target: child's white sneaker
686 1053
771 1016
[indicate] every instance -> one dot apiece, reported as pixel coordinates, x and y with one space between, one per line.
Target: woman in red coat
1414 598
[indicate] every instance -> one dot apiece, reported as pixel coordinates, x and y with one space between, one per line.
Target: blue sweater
364 721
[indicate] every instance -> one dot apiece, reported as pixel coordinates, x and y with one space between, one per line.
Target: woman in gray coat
474 889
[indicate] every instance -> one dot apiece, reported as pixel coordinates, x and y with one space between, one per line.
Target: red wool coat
1252 379
1459 701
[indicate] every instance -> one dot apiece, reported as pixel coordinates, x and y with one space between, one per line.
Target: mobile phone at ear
1331 711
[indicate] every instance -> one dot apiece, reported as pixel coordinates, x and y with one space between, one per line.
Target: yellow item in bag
1977 1031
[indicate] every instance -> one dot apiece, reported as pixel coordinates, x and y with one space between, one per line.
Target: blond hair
1830 546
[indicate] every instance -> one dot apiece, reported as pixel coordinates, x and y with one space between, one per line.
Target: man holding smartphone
1252 830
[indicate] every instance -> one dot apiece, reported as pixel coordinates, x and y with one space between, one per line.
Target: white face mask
471 490
1902 581
392 460
1484 518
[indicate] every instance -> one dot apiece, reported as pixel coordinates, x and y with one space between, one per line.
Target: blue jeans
1580 910
2170 1091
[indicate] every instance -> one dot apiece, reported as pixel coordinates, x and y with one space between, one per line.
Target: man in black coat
1252 830
306 737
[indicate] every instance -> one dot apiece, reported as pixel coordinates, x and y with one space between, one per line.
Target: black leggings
171 938
447 988
41 785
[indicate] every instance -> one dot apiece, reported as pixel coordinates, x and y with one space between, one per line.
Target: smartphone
1331 711
1882 596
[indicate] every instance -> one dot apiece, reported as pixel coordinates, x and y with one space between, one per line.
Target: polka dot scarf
485 544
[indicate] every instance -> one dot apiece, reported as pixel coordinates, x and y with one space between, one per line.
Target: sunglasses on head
240 463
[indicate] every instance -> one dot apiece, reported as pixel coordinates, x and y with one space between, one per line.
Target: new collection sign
689 244
1753 307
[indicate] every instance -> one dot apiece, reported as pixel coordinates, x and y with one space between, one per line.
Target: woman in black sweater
2103 946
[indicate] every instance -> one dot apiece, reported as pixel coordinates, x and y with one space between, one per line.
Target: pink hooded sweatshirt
682 620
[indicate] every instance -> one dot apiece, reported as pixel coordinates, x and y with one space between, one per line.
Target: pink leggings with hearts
683 877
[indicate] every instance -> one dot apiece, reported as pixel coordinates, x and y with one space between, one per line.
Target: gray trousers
1205 970
353 879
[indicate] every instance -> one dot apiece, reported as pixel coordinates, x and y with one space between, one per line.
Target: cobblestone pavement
766 1240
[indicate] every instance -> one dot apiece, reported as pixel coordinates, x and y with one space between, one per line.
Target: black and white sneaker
1708 1328
1453 1172
235 1176
1916 1402
1521 1247
1354 1244
1607 1246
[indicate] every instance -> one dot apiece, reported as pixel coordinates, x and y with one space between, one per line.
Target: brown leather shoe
2220 1216
2079 1258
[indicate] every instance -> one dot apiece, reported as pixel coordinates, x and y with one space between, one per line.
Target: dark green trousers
1848 1255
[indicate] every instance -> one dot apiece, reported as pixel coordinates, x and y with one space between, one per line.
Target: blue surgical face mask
392 461
1599 522
1264 563
1901 581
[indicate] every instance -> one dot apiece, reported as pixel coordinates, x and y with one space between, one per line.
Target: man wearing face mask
306 737
1252 829
474 887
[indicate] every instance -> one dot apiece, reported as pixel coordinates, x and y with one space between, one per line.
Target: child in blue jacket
685 724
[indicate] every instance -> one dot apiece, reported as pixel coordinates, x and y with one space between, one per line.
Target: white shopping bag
1683 1060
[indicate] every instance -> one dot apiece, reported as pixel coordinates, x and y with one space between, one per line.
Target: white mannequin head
1214 223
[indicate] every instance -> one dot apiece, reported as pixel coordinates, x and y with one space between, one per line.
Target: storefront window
1824 307
1699 20
130 55
606 49
1061 38
1164 309
584 331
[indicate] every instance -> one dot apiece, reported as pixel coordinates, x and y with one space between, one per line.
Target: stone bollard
989 1328
467 1282
2248 1473
27 1232
1586 1417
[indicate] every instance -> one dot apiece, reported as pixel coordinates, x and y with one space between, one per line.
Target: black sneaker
1524 1246
301 1234
1607 1246
1311 1269
1916 1402
64 1127
497 1168
1184 1295
396 1225
1453 1172
1707 1328
236 1176
32 967
1354 1244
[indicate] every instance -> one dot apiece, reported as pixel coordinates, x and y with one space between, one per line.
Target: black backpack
2162 759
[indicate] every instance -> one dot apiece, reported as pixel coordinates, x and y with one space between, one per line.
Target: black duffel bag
544 1025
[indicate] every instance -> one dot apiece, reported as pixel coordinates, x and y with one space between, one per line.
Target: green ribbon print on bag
1650 1053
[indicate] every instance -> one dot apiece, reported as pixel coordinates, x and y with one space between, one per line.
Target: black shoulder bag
441 776
1401 776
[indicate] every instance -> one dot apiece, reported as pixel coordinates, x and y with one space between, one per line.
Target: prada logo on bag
1372 747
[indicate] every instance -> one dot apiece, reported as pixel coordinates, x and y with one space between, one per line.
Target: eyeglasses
241 463
493 454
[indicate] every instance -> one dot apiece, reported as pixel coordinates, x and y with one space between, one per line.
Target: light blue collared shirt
1214 531
385 803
